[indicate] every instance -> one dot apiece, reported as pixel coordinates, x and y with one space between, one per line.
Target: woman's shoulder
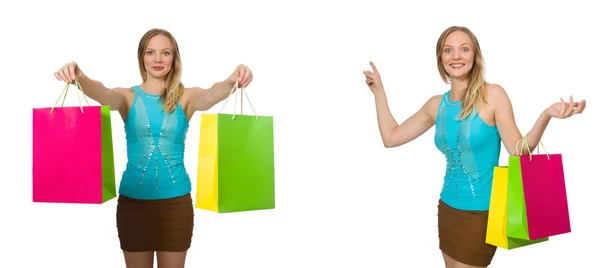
496 94
432 105
434 101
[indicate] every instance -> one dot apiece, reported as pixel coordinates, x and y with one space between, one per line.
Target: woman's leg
167 259
452 263
139 259
448 261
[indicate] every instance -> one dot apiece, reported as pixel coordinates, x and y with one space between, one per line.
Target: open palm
565 110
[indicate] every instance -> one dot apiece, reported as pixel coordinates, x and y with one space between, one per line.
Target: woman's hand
242 75
68 72
373 79
563 110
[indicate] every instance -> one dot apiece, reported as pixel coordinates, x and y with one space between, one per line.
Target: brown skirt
462 235
155 225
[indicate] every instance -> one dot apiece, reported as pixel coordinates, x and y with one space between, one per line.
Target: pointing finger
373 66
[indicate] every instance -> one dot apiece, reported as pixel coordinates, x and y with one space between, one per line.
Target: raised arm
204 99
92 88
507 127
392 133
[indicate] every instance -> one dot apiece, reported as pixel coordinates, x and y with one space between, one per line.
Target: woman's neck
153 85
458 88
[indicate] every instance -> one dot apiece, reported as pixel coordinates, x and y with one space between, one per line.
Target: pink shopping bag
72 154
545 195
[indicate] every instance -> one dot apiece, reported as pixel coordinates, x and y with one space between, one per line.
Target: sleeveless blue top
472 149
155 150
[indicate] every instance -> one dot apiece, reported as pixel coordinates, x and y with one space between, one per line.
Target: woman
155 211
471 120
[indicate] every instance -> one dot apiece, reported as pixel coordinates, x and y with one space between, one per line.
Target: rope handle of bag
242 91
63 94
524 144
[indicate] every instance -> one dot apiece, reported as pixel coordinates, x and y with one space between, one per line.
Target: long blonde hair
174 88
476 90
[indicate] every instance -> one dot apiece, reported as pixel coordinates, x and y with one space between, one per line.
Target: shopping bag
538 204
545 194
235 162
72 154
497 215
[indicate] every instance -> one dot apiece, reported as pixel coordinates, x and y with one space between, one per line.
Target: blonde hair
174 88
476 90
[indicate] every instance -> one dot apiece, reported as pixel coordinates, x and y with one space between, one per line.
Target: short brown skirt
462 235
155 225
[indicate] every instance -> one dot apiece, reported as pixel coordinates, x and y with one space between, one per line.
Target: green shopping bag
235 162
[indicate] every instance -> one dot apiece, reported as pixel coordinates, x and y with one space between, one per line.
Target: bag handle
65 90
242 90
524 142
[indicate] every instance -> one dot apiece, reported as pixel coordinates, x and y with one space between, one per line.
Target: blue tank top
155 150
472 149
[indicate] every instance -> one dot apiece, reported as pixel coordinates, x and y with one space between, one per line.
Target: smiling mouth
457 65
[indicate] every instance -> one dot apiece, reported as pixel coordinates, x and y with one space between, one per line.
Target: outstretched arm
92 88
204 99
507 127
392 134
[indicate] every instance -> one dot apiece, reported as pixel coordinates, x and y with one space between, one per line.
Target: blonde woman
471 121
155 211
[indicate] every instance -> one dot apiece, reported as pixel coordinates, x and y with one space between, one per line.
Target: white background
342 198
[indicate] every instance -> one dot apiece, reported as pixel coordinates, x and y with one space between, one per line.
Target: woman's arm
92 88
204 99
394 134
507 126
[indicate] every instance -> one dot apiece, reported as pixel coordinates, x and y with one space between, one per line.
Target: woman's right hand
68 72
373 79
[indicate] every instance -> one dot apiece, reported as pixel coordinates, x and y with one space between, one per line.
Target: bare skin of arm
199 99
394 134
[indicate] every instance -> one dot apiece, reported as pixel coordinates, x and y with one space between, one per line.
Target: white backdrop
342 198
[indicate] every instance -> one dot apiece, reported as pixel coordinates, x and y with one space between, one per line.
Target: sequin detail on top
465 152
471 149
155 149
165 141
147 149
451 162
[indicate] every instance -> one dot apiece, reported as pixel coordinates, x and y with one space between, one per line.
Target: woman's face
458 55
158 57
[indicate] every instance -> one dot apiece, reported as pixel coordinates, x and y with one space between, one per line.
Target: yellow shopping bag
498 216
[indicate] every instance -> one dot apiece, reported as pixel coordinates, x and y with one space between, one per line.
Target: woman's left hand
563 110
242 74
